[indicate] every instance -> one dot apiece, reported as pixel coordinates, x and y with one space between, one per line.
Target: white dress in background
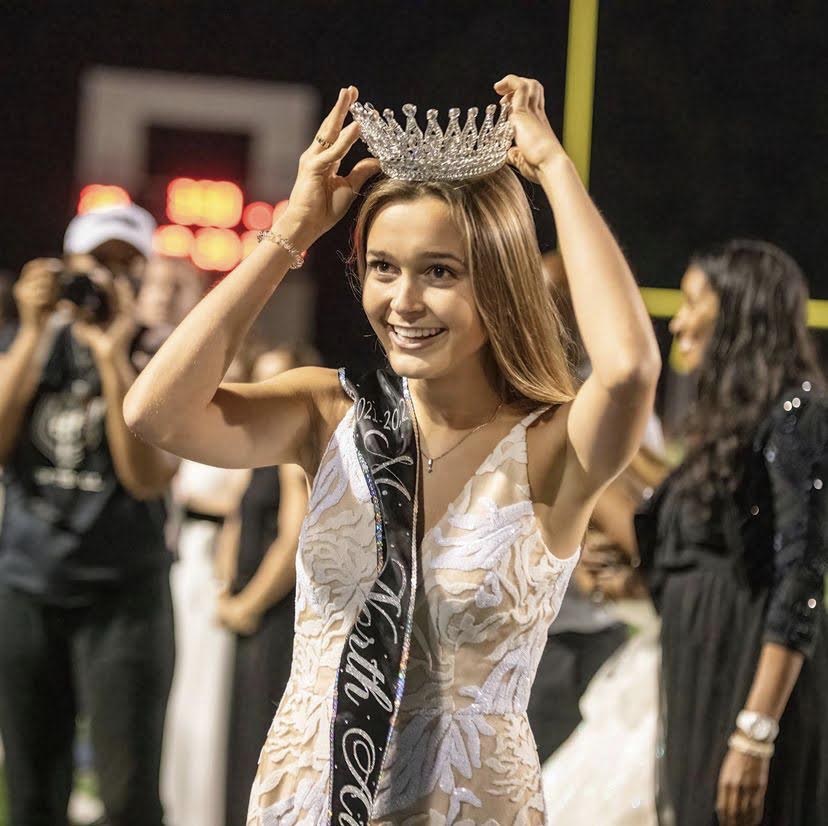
605 772
193 763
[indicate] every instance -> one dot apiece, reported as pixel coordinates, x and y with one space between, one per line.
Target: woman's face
695 321
417 292
156 301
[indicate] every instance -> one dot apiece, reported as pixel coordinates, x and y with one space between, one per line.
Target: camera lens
84 293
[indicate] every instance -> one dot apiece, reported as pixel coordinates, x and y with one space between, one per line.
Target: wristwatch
758 727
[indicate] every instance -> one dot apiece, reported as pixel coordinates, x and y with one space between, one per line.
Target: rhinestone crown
411 155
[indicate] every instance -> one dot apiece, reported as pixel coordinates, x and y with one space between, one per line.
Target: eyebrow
422 255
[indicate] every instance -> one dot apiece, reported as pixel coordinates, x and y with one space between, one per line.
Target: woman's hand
235 614
36 291
536 145
320 196
743 781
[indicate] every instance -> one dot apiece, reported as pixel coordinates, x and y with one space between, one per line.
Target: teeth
416 332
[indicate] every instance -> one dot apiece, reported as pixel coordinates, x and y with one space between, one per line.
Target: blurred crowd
151 597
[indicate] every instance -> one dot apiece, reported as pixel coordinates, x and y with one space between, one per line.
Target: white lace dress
462 753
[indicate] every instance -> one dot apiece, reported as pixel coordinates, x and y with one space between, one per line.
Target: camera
78 288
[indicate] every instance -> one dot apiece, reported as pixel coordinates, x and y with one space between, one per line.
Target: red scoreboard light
98 196
204 203
257 216
216 249
173 240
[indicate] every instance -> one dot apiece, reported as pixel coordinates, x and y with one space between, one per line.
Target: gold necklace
431 460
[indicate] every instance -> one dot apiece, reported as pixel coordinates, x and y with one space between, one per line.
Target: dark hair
760 346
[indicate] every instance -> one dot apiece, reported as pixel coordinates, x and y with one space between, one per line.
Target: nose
407 299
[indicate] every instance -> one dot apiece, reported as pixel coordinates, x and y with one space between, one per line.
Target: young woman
258 604
734 547
449 492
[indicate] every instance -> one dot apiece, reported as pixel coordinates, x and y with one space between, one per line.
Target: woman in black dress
259 604
733 545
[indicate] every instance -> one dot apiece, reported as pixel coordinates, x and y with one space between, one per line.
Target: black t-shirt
69 527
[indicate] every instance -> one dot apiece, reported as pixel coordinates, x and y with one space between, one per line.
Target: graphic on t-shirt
65 429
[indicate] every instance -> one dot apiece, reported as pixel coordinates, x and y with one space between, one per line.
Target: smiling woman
466 271
423 600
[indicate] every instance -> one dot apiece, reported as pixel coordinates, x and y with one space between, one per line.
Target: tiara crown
409 154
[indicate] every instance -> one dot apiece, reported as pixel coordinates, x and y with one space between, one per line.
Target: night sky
711 119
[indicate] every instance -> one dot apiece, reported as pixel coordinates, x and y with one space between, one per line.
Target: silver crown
411 155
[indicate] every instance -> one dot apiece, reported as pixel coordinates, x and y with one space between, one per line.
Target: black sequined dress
728 576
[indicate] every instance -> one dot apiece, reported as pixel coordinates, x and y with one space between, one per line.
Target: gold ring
325 144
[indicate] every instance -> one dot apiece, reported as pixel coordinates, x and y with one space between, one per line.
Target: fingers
122 296
507 84
362 171
345 140
331 127
515 158
524 93
41 269
731 804
721 803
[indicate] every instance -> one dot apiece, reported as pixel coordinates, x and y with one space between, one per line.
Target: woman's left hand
536 144
743 781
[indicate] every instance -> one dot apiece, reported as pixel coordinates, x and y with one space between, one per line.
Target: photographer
84 594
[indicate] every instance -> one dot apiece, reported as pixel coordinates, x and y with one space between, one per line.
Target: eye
441 273
379 266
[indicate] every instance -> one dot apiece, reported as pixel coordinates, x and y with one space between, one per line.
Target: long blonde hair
528 342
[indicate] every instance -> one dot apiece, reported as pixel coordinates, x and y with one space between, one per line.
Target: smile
414 338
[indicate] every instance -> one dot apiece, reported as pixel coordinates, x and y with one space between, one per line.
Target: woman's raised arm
609 415
177 402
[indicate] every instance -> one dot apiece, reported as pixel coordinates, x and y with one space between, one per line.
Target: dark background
711 118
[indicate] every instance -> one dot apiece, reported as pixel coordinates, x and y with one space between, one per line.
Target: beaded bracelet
286 245
752 748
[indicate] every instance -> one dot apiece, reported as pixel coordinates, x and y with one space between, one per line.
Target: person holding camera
84 592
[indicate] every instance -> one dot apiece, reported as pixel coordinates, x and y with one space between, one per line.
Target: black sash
371 676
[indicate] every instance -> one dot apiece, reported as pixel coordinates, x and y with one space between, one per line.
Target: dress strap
535 414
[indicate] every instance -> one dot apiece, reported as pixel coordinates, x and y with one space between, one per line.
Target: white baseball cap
129 223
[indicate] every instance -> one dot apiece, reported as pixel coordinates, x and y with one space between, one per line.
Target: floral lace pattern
462 753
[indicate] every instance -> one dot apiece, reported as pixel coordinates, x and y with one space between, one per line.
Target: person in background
170 288
118 237
605 771
195 733
258 605
84 597
734 549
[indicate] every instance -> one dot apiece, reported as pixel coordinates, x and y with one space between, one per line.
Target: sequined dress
462 751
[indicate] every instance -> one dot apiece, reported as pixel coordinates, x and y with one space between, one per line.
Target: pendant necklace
431 460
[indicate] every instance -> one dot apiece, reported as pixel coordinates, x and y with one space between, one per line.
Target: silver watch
759 727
